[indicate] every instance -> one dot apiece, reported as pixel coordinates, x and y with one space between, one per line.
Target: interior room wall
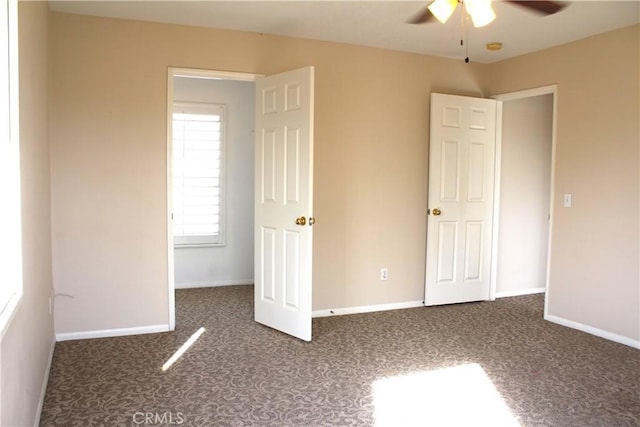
525 191
27 345
108 160
231 264
594 265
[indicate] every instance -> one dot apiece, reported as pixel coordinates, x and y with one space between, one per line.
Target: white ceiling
380 23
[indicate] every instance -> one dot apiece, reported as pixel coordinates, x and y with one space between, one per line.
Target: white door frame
510 96
193 73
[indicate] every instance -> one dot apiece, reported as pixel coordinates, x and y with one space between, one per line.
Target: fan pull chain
466 48
461 24
464 32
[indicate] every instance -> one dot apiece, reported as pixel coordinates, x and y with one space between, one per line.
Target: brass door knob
301 221
436 211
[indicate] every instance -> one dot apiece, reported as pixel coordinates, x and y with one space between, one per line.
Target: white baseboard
45 382
191 285
104 333
594 331
520 292
367 309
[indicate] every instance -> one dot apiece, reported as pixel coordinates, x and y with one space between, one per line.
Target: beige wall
594 278
108 89
28 342
108 98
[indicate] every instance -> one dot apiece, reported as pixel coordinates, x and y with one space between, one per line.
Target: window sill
9 312
198 245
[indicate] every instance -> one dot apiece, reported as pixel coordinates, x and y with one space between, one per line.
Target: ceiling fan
480 11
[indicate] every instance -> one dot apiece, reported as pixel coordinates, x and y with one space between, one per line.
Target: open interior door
461 187
284 201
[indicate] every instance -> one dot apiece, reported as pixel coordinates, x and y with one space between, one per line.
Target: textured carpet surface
489 363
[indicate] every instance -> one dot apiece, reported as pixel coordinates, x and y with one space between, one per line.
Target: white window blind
198 154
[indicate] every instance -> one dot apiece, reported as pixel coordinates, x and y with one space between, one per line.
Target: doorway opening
524 191
283 190
222 252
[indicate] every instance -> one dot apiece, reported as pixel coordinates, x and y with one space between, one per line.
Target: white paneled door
284 201
461 187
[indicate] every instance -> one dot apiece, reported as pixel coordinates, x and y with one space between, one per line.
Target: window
198 160
10 221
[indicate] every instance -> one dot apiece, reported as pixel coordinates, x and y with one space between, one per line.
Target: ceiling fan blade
540 7
423 17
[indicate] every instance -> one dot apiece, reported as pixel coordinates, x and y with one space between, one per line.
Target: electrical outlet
384 273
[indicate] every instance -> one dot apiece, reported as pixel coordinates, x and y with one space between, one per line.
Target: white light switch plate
567 200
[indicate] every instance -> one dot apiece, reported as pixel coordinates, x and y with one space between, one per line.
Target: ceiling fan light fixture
443 9
480 11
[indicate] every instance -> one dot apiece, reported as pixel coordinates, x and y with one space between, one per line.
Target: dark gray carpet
490 363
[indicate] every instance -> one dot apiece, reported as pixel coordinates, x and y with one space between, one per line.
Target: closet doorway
526 151
221 199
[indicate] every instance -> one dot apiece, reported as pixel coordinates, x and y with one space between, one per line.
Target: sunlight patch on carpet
184 347
457 396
